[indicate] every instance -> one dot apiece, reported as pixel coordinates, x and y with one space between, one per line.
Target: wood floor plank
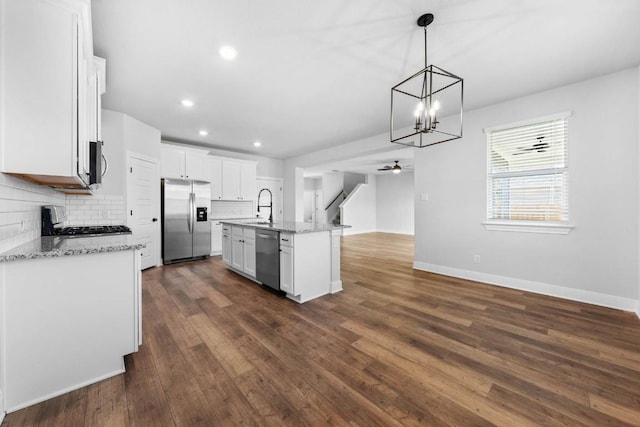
397 346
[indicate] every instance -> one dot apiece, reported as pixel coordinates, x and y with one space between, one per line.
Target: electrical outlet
106 214
424 196
476 259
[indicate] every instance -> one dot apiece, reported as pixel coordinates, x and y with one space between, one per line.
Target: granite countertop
233 218
53 246
288 226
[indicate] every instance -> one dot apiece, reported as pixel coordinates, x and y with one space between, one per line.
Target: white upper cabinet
248 181
215 177
238 180
183 164
196 165
172 163
230 180
48 54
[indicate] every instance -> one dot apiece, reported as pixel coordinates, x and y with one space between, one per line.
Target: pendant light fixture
426 108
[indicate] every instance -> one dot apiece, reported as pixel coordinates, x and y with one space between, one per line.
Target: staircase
333 208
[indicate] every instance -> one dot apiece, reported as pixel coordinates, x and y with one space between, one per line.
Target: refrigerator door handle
190 215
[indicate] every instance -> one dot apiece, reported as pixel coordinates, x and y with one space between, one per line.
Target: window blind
528 172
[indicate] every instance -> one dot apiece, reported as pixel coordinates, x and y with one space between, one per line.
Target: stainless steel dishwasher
268 258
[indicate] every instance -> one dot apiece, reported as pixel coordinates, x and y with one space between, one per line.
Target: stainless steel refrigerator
186 231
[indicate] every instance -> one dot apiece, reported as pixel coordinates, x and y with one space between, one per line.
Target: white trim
378 230
528 227
550 117
351 231
335 286
67 390
611 301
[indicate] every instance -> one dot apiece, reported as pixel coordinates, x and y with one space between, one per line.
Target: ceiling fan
395 168
540 146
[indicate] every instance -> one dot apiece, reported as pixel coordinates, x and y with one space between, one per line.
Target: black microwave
95 162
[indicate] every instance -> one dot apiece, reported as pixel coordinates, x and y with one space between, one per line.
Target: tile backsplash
95 210
232 209
20 203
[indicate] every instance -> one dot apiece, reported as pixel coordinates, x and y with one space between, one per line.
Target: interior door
144 207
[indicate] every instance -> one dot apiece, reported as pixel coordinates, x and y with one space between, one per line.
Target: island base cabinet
68 322
305 265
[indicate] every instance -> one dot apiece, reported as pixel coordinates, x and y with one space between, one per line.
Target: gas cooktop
92 230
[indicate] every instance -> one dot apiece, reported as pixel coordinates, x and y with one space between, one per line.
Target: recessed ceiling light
228 53
187 103
257 144
203 133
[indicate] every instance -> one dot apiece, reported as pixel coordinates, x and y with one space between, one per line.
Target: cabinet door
230 180
196 166
250 257
172 163
248 181
226 248
286 269
216 238
40 79
237 253
215 177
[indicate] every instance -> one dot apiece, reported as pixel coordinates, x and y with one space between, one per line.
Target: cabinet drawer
237 231
249 233
286 239
226 229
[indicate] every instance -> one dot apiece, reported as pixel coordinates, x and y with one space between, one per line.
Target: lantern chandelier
426 108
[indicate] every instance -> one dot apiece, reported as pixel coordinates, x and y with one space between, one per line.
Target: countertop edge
56 253
287 229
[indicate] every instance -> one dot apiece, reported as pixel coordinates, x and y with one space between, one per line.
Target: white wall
395 203
598 260
351 180
359 208
122 133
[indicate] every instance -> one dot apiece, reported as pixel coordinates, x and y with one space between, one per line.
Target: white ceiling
366 164
312 74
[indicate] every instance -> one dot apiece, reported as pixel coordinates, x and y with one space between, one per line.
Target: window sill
528 227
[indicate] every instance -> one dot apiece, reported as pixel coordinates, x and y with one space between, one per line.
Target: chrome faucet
270 205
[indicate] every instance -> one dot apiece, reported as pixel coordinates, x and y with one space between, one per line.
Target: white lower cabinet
243 250
249 248
286 269
216 238
68 322
227 244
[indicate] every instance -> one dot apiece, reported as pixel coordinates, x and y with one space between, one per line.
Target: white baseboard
66 390
379 230
611 301
335 286
350 231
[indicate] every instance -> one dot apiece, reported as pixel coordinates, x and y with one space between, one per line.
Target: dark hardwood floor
396 347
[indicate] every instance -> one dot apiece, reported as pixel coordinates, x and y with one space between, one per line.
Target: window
528 174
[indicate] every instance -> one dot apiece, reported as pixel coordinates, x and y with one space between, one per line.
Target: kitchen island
70 312
309 255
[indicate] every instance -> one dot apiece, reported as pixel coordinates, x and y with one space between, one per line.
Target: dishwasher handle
267 236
